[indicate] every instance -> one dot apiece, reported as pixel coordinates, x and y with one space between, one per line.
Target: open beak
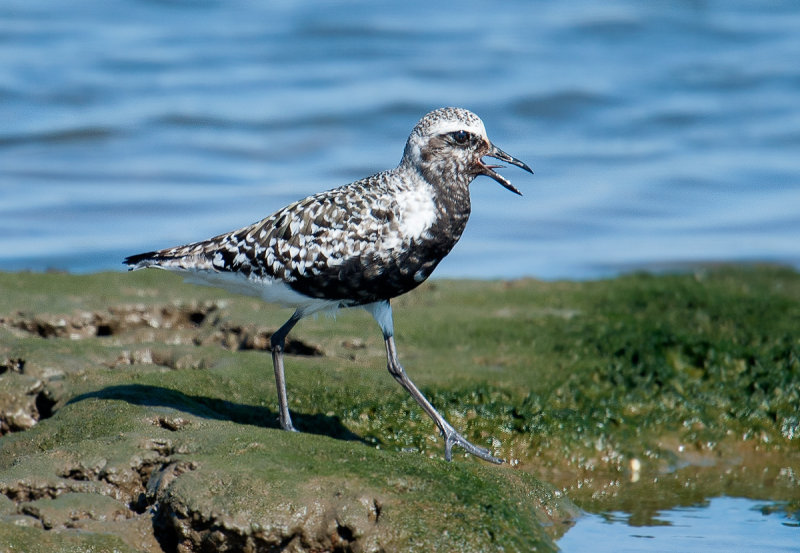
488 170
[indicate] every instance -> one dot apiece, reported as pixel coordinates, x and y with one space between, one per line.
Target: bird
359 245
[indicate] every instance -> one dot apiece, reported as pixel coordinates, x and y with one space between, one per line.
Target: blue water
723 525
661 133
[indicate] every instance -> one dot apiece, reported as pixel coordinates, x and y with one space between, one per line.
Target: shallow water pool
723 524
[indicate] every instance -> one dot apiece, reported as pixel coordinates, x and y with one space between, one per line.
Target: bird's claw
452 437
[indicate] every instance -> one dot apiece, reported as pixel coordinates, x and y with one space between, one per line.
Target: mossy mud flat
138 413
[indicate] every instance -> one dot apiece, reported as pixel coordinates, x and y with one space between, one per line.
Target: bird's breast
417 213
383 243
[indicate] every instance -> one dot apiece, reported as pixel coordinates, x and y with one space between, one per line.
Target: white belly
267 289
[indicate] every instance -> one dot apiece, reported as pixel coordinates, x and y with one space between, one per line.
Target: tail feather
139 257
163 259
141 260
191 257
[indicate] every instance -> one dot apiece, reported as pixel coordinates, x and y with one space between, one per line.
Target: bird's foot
286 424
452 437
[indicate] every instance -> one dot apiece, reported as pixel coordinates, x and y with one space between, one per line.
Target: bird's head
448 146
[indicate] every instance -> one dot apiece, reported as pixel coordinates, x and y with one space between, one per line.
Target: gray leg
278 341
383 314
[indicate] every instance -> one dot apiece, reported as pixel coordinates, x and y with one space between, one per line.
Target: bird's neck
451 198
450 186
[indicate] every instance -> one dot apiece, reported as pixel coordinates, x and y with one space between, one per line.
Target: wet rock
190 484
193 323
24 401
14 365
69 509
116 320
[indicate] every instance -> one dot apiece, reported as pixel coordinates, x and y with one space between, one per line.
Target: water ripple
659 132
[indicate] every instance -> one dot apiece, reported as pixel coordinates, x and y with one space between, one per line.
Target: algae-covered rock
139 413
109 465
21 537
160 430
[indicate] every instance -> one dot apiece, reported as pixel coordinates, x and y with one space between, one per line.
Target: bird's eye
460 137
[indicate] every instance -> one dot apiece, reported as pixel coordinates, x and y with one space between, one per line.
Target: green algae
23 539
640 392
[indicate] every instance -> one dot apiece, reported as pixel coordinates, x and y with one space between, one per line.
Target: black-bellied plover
358 245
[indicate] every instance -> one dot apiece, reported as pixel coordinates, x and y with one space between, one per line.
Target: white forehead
449 125
447 120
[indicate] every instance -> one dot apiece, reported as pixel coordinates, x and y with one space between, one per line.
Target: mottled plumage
358 245
370 240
